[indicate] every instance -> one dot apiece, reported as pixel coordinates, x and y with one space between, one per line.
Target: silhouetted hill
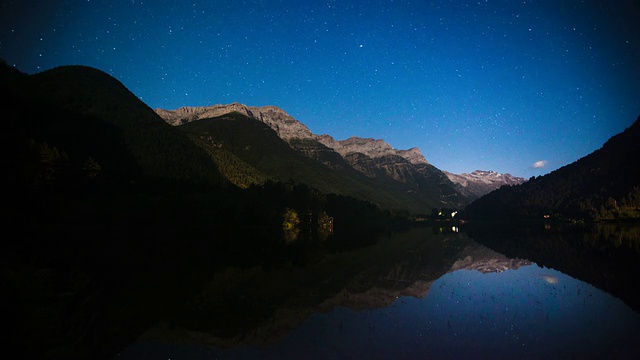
86 112
604 185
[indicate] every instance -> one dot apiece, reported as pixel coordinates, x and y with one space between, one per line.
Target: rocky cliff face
376 159
371 147
289 128
282 123
188 114
480 182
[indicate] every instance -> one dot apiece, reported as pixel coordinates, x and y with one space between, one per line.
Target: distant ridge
481 182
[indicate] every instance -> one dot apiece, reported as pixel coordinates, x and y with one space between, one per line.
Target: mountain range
122 216
396 172
123 213
95 120
603 185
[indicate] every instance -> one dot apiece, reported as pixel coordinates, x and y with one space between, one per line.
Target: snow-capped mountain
481 182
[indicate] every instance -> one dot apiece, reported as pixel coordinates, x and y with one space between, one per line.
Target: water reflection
531 312
436 297
606 255
467 314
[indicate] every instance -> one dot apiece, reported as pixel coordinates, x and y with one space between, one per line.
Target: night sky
520 87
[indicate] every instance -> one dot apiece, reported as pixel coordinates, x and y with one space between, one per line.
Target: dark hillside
83 109
259 146
604 185
115 218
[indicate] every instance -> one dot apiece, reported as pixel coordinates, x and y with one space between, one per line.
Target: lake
426 293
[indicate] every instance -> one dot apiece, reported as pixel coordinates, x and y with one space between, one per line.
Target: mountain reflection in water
484 306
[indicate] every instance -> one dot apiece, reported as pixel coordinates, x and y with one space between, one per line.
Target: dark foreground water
531 312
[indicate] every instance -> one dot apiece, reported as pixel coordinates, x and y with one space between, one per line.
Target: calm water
419 296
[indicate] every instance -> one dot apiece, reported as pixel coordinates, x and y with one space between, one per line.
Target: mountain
263 152
481 182
112 203
378 160
124 218
282 123
100 188
89 114
371 148
288 129
405 175
600 186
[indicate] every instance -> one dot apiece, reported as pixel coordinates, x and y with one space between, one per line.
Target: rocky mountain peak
373 148
493 176
282 123
289 128
481 182
414 155
188 114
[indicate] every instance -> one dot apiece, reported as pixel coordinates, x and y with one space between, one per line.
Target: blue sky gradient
491 85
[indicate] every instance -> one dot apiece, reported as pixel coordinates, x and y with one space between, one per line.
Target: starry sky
520 87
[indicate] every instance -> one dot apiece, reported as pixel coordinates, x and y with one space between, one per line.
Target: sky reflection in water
531 312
